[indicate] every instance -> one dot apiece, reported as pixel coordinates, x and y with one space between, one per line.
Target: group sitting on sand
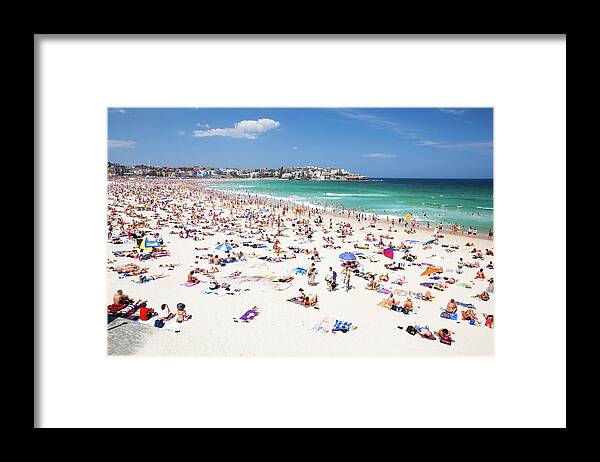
304 299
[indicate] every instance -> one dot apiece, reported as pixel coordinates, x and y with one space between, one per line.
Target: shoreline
421 226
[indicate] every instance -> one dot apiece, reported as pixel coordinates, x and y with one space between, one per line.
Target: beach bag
159 323
145 313
411 330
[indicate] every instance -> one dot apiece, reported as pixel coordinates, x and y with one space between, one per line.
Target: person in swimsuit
388 302
480 274
483 296
165 312
306 300
469 315
312 272
445 336
182 313
191 278
451 306
408 304
489 320
316 255
120 298
424 332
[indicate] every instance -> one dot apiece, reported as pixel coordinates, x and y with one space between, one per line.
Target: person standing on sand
347 277
312 272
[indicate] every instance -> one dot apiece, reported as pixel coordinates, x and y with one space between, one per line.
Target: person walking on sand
312 272
330 279
347 277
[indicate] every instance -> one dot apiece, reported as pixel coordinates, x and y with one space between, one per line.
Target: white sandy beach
283 328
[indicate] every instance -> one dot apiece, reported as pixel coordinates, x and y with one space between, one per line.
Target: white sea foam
355 195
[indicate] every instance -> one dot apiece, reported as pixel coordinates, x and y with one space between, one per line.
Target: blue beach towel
343 326
453 317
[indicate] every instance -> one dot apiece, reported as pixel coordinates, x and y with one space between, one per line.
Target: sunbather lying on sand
482 296
424 332
132 269
143 278
427 296
468 315
445 336
440 286
284 279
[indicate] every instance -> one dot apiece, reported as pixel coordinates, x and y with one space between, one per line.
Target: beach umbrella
299 271
391 253
407 217
148 243
349 256
223 247
431 270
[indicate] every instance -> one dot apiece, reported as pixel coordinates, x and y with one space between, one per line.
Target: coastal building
286 173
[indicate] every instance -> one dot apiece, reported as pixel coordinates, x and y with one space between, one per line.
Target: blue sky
399 143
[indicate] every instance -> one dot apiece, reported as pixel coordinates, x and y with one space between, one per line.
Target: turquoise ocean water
466 202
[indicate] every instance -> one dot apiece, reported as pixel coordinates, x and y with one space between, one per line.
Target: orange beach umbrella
431 270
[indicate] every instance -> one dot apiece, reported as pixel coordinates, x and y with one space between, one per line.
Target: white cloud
453 111
117 109
121 144
247 129
203 125
379 155
181 132
405 132
469 146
